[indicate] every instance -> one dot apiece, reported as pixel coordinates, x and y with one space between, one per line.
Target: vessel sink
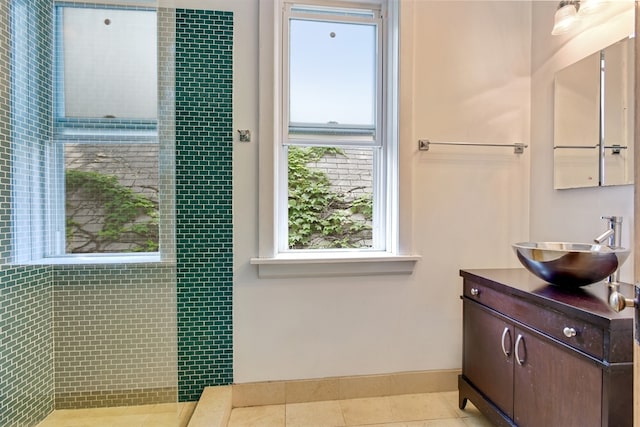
570 264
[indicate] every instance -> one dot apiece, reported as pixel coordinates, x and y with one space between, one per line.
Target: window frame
396 257
378 143
91 131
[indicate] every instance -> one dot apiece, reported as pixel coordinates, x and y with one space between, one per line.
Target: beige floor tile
413 410
258 416
61 414
130 416
384 425
452 400
79 422
137 420
165 419
477 422
370 410
104 421
314 414
75 418
160 408
447 422
422 406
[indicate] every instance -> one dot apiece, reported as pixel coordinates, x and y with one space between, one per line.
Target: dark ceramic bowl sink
570 264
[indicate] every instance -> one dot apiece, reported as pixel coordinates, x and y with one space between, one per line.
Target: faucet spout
604 236
613 233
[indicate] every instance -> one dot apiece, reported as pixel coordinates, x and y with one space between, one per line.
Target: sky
332 72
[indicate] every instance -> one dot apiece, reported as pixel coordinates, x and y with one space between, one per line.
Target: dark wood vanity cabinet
535 355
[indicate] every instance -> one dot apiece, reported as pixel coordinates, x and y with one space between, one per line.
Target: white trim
397 233
330 264
130 258
406 149
268 50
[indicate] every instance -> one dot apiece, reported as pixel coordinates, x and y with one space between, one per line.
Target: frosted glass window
110 63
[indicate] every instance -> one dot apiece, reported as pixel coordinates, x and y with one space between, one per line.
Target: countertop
586 302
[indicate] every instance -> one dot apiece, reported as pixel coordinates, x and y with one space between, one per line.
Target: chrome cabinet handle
569 332
475 292
507 352
517 346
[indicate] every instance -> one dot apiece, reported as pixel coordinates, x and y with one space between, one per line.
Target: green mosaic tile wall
204 252
26 345
115 324
115 335
26 292
5 135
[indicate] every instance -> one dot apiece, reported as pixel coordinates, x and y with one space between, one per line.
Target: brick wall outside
349 171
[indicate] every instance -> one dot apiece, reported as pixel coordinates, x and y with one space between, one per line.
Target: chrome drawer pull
569 332
504 334
475 292
518 341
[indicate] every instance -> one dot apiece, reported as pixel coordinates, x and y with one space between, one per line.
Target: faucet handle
613 219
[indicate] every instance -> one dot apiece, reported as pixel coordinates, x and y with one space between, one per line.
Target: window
105 131
329 179
85 148
333 148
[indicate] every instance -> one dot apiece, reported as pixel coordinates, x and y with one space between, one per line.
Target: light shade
587 7
566 17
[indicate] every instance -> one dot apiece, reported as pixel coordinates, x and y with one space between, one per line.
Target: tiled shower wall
26 293
130 312
115 335
116 326
204 229
26 345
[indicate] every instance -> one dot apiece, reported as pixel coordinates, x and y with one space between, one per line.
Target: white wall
465 78
570 215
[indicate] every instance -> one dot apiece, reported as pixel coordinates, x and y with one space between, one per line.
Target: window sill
138 258
332 264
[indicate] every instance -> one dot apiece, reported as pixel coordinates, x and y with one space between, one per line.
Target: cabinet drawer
588 337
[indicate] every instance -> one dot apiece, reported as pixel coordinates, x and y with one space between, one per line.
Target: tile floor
162 415
409 410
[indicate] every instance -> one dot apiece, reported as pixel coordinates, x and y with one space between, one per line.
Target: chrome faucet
614 235
617 301
613 232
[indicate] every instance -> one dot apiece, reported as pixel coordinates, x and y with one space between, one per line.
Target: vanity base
537 355
466 391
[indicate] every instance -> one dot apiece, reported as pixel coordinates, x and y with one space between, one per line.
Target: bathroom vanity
535 354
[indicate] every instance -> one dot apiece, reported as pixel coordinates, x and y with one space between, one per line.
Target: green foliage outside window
319 217
126 218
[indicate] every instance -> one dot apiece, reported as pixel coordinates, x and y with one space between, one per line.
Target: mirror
593 120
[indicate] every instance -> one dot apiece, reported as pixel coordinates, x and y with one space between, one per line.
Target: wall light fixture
571 12
566 16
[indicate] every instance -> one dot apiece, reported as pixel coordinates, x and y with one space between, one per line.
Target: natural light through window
332 137
332 73
330 199
105 131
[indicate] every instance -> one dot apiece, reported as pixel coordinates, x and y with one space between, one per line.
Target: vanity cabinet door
485 364
553 387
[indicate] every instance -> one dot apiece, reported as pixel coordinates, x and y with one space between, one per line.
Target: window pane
109 61
111 197
332 72
330 197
